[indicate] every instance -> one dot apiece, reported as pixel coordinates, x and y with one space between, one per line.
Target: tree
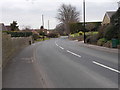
60 29
67 14
76 27
14 26
113 30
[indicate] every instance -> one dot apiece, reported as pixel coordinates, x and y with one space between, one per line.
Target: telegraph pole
84 19
43 20
43 26
48 24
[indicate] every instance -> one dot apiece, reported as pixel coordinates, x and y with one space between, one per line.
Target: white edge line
73 53
106 67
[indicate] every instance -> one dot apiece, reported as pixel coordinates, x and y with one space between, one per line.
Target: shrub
92 39
52 35
81 33
35 36
108 44
101 30
18 34
101 41
110 32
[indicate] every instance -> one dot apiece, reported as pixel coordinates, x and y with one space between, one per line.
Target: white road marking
56 44
73 53
61 47
106 66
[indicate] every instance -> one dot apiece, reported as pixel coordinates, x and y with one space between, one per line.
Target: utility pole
43 20
84 19
48 24
43 26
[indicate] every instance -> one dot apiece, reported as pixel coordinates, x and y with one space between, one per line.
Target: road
61 63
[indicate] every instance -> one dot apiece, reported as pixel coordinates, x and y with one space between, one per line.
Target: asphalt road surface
61 63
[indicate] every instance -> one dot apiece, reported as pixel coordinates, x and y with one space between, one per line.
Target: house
8 28
107 18
2 27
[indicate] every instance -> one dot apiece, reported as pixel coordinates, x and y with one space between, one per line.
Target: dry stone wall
11 46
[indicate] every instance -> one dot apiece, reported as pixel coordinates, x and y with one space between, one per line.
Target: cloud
28 12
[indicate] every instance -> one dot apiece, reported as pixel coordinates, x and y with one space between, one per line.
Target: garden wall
11 46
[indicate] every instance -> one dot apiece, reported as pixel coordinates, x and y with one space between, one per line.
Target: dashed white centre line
73 53
56 44
107 67
61 47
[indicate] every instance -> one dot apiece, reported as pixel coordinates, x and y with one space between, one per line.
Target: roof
110 13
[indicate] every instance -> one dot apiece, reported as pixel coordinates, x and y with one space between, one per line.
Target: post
84 19
43 21
43 26
48 24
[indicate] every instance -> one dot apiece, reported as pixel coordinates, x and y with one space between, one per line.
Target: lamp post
84 19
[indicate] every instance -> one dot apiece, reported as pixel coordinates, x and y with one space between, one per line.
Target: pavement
21 72
61 63
113 50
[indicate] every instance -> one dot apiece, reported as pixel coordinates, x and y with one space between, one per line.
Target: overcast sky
29 12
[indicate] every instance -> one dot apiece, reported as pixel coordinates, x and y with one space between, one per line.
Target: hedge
18 34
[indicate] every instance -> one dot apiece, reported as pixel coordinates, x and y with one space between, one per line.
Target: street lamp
84 19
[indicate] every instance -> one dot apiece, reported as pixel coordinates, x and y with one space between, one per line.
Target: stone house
2 27
107 18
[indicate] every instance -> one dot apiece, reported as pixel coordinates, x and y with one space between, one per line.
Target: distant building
2 27
8 28
107 17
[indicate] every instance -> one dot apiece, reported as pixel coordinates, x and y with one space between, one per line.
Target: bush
101 41
81 33
18 34
92 39
108 44
101 30
110 32
52 35
35 36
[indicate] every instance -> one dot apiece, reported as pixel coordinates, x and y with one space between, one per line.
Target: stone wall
0 49
11 46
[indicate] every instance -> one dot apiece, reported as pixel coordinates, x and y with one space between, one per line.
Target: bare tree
67 14
60 29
